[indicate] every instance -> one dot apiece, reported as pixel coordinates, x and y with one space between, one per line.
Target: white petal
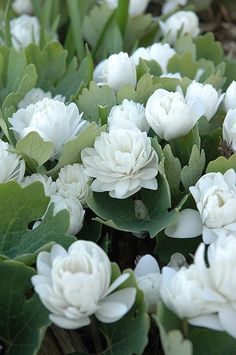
57 250
227 317
66 323
146 265
116 305
122 278
188 225
210 321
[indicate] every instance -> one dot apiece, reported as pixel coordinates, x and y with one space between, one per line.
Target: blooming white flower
122 162
230 96
35 95
75 209
51 119
221 284
24 29
229 128
208 96
159 52
187 290
136 7
50 187
116 71
22 7
72 182
74 285
171 5
215 197
11 166
170 115
129 113
148 277
180 23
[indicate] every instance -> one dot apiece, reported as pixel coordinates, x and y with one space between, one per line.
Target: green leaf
172 169
126 92
130 334
185 44
183 64
120 214
34 150
23 320
222 164
208 48
19 207
230 72
167 318
95 96
192 172
71 152
207 341
50 63
122 15
145 88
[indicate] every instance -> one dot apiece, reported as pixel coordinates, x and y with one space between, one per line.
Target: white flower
116 71
229 128
136 7
148 277
11 166
50 187
51 119
230 96
208 96
35 95
171 5
75 209
122 162
129 113
170 115
179 24
72 182
172 76
74 285
22 7
187 292
215 197
159 52
24 29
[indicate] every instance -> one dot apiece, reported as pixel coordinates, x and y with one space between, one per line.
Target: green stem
76 26
185 328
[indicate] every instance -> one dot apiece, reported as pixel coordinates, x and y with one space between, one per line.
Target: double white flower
171 115
215 197
136 7
116 71
122 162
35 95
205 295
74 285
11 166
160 53
51 119
128 115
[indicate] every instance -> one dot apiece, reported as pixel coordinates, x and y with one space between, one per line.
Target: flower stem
185 328
95 335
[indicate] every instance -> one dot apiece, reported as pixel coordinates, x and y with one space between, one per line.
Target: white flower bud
129 113
22 7
116 71
35 95
122 162
136 7
24 29
230 97
170 115
229 128
180 23
171 5
53 120
208 95
72 182
74 285
159 52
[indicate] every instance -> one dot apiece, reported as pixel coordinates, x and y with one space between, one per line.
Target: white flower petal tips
74 285
122 162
